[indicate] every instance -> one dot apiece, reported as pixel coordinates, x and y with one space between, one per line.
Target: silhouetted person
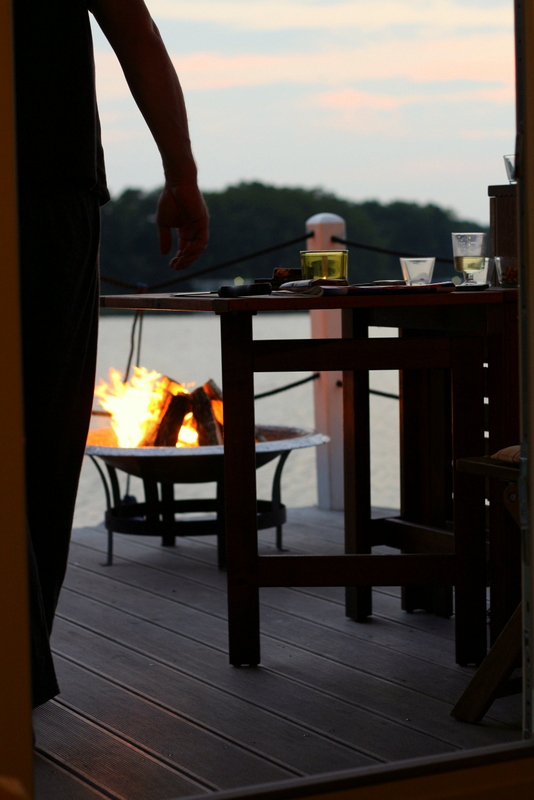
62 184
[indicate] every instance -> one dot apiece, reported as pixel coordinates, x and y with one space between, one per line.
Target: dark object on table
472 287
281 275
245 290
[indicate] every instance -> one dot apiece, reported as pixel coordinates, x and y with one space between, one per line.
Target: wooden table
445 342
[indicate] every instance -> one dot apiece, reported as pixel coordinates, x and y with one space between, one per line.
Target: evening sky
369 99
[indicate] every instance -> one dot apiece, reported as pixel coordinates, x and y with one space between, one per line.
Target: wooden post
240 489
524 19
15 701
328 394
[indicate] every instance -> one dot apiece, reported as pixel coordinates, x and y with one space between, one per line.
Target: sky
369 99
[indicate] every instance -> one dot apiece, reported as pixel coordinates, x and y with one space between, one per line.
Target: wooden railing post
328 394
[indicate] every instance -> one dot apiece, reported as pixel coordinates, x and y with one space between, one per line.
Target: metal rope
206 271
386 251
281 389
288 386
138 315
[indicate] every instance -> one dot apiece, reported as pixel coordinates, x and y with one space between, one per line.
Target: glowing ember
188 436
136 406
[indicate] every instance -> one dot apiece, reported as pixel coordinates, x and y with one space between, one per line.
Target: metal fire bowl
193 464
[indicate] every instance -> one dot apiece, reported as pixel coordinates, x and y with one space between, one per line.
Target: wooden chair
493 678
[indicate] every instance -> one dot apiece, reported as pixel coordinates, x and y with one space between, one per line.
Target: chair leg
470 568
221 526
276 498
494 671
109 561
469 502
167 514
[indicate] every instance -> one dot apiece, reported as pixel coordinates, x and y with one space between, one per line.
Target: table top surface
218 305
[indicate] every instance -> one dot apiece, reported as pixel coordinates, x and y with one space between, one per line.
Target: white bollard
328 394
324 226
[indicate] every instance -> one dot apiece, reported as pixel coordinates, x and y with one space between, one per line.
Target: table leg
240 489
425 466
357 468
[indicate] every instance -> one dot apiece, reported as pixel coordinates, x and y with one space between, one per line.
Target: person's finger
164 239
187 253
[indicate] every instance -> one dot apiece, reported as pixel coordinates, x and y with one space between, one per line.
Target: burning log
215 396
168 390
169 427
209 432
154 411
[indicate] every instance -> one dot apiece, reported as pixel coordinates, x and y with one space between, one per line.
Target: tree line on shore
252 216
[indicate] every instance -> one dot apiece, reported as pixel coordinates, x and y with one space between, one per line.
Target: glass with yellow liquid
469 251
326 264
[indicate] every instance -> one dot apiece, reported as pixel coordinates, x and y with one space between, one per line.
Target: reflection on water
186 348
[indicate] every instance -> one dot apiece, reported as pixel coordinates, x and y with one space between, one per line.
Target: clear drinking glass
509 163
417 270
506 268
469 250
484 277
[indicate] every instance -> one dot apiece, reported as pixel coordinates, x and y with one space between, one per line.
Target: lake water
186 347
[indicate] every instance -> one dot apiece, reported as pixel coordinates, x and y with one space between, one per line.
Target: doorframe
491 773
15 694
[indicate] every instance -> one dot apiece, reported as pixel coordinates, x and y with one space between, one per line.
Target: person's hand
182 207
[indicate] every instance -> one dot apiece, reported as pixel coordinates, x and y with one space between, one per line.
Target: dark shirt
58 130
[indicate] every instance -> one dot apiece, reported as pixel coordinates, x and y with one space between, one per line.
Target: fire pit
160 468
166 435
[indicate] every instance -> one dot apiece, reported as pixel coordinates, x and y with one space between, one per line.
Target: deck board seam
277 714
237 743
187 557
222 618
83 777
136 584
285 678
159 758
43 757
270 636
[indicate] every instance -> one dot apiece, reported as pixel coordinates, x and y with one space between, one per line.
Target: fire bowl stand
160 468
156 516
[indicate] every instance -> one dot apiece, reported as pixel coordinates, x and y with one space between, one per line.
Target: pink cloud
478 58
352 99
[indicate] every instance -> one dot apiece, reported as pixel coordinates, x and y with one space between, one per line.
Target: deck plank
55 783
105 760
289 646
263 687
258 729
148 696
161 730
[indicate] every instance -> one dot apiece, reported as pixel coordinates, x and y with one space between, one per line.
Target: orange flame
135 406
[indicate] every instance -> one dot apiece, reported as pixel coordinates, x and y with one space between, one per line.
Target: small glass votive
507 270
417 270
484 276
509 163
326 264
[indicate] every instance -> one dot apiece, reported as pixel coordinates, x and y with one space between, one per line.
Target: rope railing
142 288
190 276
314 377
288 386
386 251
265 251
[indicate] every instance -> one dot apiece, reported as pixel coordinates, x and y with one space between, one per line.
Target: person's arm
152 79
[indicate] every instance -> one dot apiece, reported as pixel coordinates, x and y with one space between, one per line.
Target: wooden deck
150 708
